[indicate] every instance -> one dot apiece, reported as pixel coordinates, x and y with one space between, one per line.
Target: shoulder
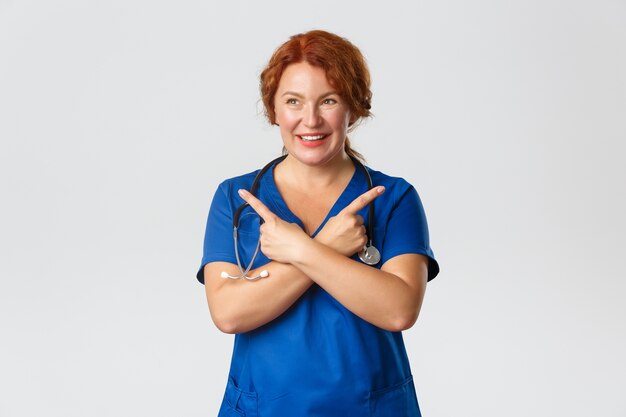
230 185
381 178
395 187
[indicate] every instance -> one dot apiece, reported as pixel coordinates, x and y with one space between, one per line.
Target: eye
291 101
329 101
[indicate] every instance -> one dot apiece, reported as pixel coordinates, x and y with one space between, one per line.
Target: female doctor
317 330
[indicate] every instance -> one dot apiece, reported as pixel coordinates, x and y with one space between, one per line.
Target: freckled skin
305 103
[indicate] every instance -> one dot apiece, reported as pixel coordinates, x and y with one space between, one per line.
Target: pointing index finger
364 199
256 204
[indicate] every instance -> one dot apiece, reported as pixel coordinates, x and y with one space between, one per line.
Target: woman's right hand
345 232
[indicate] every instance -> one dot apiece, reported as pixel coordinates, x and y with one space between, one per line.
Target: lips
312 140
312 137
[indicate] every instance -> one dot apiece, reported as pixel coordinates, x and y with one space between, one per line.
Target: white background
119 118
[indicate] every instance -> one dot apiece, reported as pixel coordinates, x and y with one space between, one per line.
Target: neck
316 177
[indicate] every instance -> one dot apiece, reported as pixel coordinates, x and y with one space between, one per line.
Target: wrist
303 250
319 238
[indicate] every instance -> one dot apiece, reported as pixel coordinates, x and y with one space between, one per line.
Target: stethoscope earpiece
264 274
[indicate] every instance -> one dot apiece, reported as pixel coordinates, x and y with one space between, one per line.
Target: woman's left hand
280 240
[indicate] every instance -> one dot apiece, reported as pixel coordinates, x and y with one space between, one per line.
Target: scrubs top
318 358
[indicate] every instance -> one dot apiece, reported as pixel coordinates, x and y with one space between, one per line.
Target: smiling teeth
318 137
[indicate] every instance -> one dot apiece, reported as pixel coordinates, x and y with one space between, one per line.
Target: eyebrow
293 93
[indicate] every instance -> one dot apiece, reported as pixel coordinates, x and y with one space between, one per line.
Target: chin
316 156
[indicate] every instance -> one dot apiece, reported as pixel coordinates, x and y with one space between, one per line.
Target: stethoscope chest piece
369 255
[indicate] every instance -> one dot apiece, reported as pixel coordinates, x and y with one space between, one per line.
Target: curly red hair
343 63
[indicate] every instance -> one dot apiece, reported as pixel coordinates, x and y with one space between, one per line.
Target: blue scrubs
318 358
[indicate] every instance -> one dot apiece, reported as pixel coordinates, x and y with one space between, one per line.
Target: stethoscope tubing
369 254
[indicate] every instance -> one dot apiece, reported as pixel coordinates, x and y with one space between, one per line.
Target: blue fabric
318 358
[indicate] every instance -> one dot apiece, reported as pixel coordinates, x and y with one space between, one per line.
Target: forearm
379 297
240 305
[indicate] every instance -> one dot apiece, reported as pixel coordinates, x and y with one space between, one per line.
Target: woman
318 331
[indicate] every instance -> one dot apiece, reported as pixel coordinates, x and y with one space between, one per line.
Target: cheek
340 119
285 119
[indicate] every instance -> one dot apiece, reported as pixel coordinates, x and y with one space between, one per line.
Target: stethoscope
368 255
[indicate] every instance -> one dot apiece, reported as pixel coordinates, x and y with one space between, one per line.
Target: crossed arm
390 297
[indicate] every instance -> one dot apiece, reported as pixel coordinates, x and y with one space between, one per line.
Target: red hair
343 63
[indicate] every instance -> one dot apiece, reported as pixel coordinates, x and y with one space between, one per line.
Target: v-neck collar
279 206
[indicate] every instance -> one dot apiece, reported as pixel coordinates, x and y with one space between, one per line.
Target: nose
312 117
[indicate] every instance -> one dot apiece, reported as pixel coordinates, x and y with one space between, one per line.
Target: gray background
118 119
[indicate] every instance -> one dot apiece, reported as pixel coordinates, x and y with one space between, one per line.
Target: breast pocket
238 403
398 400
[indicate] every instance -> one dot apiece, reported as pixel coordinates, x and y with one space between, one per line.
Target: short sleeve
218 236
407 231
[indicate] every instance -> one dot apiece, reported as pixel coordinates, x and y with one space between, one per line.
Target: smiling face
313 118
